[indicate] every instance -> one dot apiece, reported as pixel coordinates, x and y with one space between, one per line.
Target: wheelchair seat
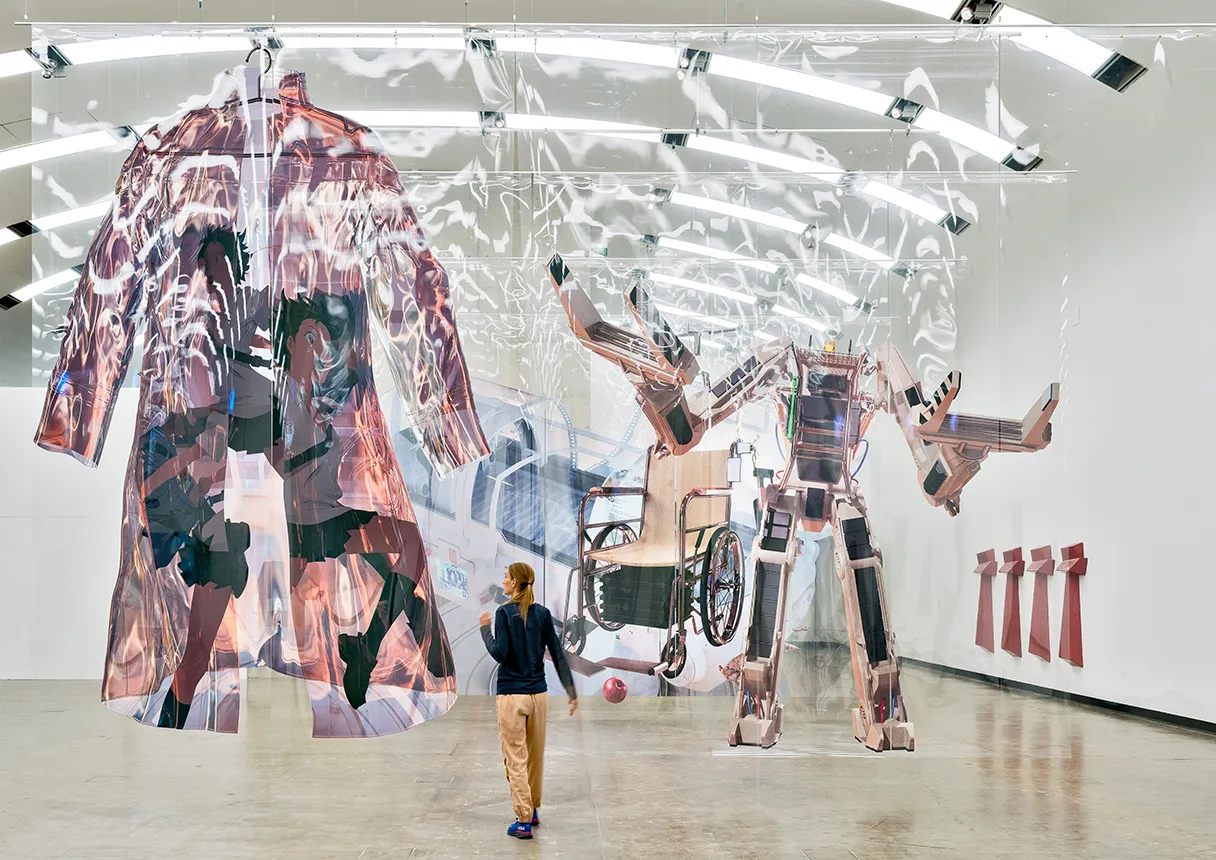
668 481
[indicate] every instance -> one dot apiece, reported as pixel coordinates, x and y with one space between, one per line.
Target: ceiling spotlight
692 61
905 110
491 119
978 12
657 197
480 41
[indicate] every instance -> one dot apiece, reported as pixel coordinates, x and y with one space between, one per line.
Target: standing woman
522 631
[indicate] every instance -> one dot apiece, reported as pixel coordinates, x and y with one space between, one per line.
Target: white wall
1131 467
59 530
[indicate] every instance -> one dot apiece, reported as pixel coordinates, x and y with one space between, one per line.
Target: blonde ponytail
524 576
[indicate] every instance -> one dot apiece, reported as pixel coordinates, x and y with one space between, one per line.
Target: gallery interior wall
1128 472
1097 290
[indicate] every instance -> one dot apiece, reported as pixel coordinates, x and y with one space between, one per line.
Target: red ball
615 690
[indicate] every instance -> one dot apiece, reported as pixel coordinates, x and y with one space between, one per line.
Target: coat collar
247 83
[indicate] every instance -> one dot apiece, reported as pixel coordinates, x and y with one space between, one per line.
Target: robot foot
753 731
889 735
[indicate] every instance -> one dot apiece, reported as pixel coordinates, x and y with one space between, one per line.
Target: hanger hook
269 57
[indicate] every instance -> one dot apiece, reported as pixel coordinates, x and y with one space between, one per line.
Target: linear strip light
780 222
973 138
915 205
763 74
800 317
38 287
857 249
771 268
19 156
818 170
716 253
639 53
802 83
140 47
1102 64
672 311
687 284
733 210
758 155
474 120
1086 56
831 290
47 223
92 212
983 142
17 63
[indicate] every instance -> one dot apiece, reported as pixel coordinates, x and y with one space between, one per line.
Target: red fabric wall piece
1011 632
1042 565
986 568
1075 564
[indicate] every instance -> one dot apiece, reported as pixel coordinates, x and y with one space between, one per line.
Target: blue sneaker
535 818
520 830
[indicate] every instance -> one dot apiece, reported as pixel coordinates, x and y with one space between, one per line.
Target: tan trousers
521 728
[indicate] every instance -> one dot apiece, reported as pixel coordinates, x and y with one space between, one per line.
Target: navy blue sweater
519 649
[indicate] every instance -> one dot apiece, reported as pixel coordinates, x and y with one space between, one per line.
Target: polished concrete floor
995 775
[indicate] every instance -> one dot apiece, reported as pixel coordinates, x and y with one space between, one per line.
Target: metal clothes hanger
265 71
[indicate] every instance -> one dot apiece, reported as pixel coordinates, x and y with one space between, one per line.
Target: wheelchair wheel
574 635
674 655
722 587
614 535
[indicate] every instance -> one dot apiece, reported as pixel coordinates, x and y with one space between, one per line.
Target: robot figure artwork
825 413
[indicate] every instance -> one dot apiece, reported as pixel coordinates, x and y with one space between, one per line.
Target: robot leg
881 720
757 717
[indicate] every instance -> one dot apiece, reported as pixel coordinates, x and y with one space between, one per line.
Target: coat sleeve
414 306
100 328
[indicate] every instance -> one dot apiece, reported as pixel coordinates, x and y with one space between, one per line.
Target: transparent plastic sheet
497 203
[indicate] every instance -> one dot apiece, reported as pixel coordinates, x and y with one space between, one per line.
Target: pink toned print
265 519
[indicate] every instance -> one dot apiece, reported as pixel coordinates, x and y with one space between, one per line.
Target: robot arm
660 366
949 447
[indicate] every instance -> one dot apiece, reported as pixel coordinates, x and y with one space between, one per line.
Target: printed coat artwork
265 521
